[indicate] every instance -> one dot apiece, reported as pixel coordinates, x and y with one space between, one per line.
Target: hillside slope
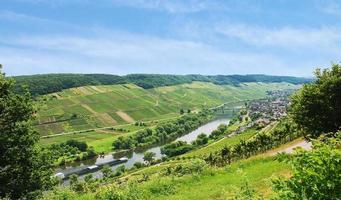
49 83
90 107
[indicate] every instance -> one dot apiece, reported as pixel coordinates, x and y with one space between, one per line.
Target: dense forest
49 83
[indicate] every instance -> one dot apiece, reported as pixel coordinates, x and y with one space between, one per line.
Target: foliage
25 169
163 132
316 174
106 171
130 192
284 132
82 146
176 148
49 83
201 139
72 150
196 166
247 193
120 170
148 156
316 108
222 128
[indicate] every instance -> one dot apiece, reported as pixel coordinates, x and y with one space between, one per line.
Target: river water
137 155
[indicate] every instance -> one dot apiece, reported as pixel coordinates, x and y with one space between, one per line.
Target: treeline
49 83
71 150
163 132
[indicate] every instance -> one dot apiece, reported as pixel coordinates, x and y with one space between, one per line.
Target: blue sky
280 37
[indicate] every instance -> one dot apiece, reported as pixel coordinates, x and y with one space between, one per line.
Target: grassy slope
226 182
98 106
212 183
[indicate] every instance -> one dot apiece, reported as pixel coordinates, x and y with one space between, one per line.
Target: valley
170 100
98 116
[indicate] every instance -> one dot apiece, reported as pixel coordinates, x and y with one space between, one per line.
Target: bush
316 174
176 148
82 146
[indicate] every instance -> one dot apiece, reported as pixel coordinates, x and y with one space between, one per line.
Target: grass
225 183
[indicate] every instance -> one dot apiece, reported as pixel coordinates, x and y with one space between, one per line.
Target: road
291 148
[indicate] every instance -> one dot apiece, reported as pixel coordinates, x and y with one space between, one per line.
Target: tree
106 171
316 108
226 154
25 168
201 139
182 111
316 174
80 145
149 156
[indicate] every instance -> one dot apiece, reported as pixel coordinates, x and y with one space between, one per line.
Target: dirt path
303 144
290 147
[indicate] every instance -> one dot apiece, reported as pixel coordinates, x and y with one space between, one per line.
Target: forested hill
49 83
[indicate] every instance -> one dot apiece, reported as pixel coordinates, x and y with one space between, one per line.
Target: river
137 155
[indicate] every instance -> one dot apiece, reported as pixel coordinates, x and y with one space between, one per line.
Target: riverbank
137 156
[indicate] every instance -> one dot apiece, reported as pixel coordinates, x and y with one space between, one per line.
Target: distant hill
50 83
88 107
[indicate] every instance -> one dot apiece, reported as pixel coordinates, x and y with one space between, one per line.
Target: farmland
92 107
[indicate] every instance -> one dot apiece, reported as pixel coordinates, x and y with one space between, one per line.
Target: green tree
316 108
182 111
316 174
107 171
25 169
201 139
149 156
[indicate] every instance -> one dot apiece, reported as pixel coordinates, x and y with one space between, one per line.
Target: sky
282 37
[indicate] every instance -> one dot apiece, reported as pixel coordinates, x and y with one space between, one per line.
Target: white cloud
106 51
325 37
129 54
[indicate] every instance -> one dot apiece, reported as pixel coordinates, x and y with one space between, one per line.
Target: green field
92 107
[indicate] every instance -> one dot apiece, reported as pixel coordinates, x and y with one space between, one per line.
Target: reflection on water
137 155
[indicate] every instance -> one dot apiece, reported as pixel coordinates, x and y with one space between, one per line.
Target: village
262 112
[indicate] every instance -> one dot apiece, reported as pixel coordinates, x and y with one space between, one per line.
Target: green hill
49 83
89 107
